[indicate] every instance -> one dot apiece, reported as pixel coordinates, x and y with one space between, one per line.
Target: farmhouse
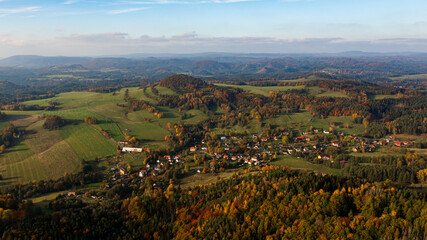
130 149
124 142
70 194
324 157
300 138
142 173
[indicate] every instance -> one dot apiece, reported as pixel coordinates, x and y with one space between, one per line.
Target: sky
119 27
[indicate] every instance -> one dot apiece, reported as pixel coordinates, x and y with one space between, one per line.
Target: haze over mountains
36 61
32 70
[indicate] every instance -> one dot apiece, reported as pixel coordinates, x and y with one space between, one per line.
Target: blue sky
109 27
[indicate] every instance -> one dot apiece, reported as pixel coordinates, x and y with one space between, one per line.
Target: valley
184 133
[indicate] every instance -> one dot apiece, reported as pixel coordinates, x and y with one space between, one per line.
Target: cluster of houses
264 147
261 149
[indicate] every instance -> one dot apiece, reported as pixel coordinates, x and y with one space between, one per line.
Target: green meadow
411 77
261 90
299 163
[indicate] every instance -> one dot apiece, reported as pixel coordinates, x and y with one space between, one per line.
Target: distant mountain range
350 65
34 61
206 59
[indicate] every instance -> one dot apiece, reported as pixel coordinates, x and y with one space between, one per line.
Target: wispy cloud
159 2
68 2
156 2
128 10
229 1
19 10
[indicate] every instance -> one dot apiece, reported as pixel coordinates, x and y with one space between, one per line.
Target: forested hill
182 83
274 204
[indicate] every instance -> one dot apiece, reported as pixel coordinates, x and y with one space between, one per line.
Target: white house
130 149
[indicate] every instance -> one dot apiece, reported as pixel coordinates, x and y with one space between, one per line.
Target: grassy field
296 80
381 96
319 92
165 91
3 124
261 90
298 163
150 93
46 197
204 178
86 142
301 120
195 116
285 120
407 137
112 117
355 129
331 94
138 94
379 153
43 154
305 120
56 156
21 120
254 127
19 165
411 77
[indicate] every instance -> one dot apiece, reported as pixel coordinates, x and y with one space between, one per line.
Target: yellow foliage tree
422 175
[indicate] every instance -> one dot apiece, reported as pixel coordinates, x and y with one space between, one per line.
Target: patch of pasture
20 164
411 77
196 116
261 90
299 163
165 91
86 142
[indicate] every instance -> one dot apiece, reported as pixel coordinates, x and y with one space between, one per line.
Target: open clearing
319 92
42 155
165 91
20 164
411 77
86 142
265 91
375 97
261 90
298 163
204 178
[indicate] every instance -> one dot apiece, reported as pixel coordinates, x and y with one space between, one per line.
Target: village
216 153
